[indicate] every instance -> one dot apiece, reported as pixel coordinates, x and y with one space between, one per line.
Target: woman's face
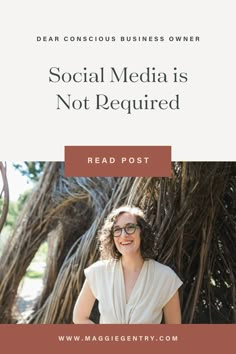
128 243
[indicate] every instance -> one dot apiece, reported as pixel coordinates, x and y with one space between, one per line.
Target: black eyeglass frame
125 229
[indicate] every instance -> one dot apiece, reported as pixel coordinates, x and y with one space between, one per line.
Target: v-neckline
128 301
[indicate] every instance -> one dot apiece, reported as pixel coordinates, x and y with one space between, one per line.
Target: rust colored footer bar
118 161
112 339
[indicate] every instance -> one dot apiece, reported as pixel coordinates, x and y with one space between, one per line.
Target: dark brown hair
108 248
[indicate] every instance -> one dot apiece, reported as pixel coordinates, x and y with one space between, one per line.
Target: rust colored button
119 161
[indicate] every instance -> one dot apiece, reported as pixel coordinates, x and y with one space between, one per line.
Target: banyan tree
193 215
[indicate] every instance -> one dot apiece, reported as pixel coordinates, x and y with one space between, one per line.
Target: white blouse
155 286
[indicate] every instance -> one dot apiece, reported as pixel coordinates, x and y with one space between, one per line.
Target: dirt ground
29 291
27 296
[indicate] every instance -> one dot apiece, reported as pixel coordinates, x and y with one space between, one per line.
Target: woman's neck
133 263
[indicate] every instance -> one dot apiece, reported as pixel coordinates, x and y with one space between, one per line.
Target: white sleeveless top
155 286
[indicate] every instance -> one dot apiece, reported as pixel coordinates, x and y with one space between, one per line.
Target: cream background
31 127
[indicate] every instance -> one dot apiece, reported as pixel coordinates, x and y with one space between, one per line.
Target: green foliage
34 274
36 267
41 254
31 169
14 210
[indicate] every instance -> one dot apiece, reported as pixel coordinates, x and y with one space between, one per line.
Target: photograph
117 250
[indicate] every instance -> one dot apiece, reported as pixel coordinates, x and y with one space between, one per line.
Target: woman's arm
172 311
84 305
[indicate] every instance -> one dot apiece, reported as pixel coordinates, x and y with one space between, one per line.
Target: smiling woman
130 286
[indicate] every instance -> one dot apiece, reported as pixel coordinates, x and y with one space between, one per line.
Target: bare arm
84 305
172 311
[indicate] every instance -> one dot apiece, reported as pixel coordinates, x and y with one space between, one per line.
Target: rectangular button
118 161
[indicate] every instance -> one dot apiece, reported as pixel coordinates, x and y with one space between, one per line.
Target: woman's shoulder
101 264
161 268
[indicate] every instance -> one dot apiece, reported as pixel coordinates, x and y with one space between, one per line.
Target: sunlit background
20 187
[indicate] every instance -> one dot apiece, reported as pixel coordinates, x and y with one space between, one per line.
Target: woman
131 288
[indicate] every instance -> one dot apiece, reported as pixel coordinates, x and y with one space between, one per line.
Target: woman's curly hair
108 249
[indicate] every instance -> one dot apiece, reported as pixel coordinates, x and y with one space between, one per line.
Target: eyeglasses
129 230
